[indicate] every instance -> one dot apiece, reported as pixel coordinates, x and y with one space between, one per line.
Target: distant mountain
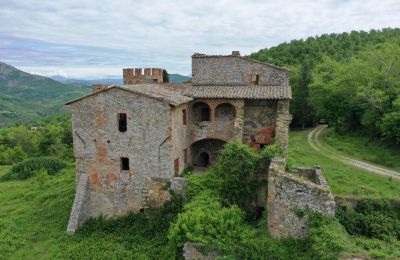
177 78
24 96
173 78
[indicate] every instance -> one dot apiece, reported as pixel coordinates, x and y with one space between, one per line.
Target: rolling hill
173 78
24 97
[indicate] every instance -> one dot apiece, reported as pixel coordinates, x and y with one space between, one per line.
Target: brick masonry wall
291 198
234 71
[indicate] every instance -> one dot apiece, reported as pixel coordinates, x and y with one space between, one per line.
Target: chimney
236 53
98 87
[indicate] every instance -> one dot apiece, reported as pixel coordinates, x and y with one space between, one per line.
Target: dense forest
351 80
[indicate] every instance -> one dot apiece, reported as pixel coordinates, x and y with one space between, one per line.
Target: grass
34 215
343 179
361 148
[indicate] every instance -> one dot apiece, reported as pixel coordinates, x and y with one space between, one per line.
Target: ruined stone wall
180 137
234 71
292 197
259 122
98 147
209 146
283 119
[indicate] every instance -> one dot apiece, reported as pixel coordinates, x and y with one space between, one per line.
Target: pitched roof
156 91
201 55
246 92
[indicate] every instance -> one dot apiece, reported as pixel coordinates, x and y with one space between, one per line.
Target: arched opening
225 112
200 112
205 152
204 160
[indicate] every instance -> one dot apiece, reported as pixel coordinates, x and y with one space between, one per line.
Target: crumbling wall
259 122
234 70
291 197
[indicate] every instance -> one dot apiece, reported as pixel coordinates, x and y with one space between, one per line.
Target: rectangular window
176 167
124 164
122 123
185 155
184 116
254 79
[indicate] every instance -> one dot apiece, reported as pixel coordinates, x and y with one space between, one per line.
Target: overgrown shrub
372 219
136 236
238 168
29 167
204 220
327 237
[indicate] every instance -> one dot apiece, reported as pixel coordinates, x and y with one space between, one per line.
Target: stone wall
231 70
208 146
180 137
283 119
291 197
99 146
259 122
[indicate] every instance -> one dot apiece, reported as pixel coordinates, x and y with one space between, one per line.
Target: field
362 148
343 179
34 215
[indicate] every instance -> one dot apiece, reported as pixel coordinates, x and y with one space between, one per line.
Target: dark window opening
185 155
124 164
176 167
262 146
204 160
122 123
184 116
254 79
205 114
259 212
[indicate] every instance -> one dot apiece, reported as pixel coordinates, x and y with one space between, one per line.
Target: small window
125 164
185 155
122 123
254 79
176 167
184 116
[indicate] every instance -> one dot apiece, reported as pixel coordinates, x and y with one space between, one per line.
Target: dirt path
314 142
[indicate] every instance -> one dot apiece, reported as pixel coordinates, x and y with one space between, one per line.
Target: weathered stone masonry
131 142
293 196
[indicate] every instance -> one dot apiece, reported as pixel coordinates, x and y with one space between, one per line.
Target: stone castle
131 142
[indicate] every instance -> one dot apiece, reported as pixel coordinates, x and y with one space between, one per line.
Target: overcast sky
97 38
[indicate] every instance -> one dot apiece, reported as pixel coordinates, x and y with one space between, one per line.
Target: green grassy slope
24 96
343 179
362 148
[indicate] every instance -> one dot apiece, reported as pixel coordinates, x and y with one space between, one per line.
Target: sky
95 39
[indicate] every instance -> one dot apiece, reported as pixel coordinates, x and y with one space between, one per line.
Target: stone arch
205 152
201 112
225 112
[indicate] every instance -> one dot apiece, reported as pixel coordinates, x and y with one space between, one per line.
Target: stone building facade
131 142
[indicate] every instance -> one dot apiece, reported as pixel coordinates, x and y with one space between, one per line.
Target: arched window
225 112
200 112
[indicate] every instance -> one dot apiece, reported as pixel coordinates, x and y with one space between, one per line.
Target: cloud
109 34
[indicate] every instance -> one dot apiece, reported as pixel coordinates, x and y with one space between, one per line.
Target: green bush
372 219
204 220
29 167
328 238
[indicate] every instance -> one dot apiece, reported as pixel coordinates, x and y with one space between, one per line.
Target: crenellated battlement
146 75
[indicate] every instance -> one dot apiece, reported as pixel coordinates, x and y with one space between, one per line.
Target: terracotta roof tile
246 92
